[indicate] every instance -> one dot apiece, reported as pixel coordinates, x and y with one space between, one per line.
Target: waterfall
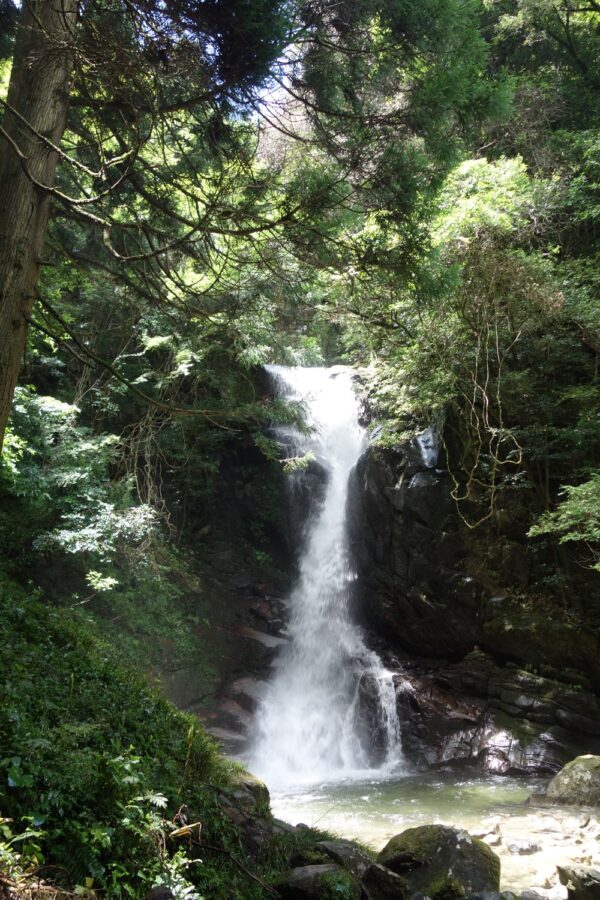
329 711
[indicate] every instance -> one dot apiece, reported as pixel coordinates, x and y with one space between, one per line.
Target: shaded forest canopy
191 190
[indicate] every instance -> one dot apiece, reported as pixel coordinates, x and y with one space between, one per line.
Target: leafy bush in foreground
93 763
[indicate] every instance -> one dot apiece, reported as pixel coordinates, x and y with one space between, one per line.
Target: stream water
310 745
530 840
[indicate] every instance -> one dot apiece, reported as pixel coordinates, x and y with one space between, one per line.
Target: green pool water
372 811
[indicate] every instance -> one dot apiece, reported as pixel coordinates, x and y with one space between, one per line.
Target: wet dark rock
582 882
380 883
515 567
437 855
411 585
316 883
524 848
160 893
401 861
471 675
346 854
240 638
435 727
369 719
255 832
305 491
499 719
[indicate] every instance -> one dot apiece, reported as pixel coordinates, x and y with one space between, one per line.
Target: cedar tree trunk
39 93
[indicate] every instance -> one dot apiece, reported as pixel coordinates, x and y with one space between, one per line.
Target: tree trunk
39 93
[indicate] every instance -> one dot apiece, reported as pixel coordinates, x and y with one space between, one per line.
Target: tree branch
90 355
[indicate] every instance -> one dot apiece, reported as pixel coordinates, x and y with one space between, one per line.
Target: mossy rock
328 882
446 888
578 783
251 793
442 860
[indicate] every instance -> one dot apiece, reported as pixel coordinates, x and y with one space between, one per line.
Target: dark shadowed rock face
380 883
482 679
429 585
582 882
304 491
412 586
499 719
370 719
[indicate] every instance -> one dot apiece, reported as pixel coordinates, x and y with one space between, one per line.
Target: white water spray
309 726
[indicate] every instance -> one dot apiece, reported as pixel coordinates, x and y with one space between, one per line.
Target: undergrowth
95 765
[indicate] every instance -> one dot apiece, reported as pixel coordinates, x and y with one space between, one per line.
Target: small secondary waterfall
311 725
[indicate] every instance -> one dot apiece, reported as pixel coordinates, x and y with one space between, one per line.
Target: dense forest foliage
187 192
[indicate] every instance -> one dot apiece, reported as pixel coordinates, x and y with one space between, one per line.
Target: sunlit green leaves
480 195
576 518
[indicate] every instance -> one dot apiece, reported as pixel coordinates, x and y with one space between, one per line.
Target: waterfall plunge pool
530 840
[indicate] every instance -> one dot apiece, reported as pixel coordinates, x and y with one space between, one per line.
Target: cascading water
309 727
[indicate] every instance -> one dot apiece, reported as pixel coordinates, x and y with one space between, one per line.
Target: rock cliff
485 675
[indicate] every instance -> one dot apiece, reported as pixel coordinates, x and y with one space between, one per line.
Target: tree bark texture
39 93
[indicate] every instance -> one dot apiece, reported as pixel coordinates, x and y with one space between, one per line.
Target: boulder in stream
437 859
578 783
582 882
